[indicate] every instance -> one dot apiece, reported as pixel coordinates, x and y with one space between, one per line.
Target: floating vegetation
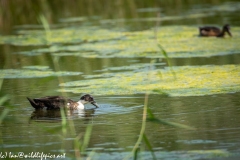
33 72
136 66
190 81
211 153
59 36
37 68
179 41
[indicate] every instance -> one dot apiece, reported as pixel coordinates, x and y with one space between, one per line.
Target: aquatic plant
5 110
191 81
142 135
33 73
3 99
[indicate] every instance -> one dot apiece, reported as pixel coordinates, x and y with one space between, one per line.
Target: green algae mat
178 41
175 81
33 72
187 81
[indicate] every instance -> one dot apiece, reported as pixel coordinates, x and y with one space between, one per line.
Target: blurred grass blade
77 146
6 110
3 99
150 114
136 154
64 122
46 27
86 138
3 115
149 146
44 22
152 118
178 125
144 118
1 82
164 53
167 58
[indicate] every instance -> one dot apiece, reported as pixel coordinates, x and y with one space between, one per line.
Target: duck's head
226 28
87 98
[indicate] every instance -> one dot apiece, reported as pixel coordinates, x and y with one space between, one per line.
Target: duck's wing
51 102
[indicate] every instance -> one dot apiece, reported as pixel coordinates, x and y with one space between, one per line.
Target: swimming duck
56 102
208 31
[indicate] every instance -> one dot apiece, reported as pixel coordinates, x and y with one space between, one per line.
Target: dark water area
133 15
112 130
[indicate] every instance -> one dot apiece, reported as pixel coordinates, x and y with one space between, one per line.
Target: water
114 128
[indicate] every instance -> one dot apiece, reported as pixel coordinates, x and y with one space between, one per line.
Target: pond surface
194 94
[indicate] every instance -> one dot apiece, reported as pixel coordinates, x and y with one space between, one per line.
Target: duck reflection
55 115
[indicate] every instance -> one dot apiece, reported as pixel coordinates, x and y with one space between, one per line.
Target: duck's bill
95 104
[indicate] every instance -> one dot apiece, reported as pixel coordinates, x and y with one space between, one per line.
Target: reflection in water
104 109
55 115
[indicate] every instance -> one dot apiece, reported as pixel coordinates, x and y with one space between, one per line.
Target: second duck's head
226 28
87 98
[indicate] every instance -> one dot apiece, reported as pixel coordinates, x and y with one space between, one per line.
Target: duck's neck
224 30
222 33
80 105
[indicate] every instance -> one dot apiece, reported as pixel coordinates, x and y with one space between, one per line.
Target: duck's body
56 102
209 31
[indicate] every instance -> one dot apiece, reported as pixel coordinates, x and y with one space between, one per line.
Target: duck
57 102
209 31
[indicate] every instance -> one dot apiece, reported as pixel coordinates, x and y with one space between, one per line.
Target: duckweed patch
37 68
211 153
136 66
63 36
178 41
190 81
33 72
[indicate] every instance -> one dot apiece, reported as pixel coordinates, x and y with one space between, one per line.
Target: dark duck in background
211 31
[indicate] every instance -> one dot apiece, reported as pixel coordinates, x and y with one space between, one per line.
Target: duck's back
50 102
209 31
